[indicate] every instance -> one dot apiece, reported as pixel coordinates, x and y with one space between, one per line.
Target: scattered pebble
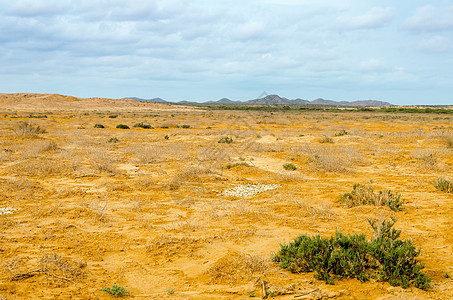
249 190
7 210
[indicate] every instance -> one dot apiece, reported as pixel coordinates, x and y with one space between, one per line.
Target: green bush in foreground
115 290
444 185
384 257
365 195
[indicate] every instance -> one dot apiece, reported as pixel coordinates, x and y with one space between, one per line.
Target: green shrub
164 127
365 195
185 126
444 185
225 140
341 133
143 125
113 140
353 256
122 126
116 290
113 116
99 126
166 137
289 167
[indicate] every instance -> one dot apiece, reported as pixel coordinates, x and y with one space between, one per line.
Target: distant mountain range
277 100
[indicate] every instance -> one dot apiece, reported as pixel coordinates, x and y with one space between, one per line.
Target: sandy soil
87 208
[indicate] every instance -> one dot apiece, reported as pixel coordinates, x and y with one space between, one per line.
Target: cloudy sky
396 51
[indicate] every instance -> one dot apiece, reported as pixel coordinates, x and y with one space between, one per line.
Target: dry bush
191 174
102 160
332 159
323 212
35 148
235 268
54 266
426 158
237 234
144 183
60 268
168 246
42 167
28 129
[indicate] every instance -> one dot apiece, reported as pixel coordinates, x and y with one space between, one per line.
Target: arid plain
168 212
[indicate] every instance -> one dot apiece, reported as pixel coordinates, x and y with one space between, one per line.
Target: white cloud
373 65
375 17
435 44
249 30
430 18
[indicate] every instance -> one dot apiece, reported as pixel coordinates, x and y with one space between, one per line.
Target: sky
198 50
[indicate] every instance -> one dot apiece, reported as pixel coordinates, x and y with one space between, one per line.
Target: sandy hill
55 102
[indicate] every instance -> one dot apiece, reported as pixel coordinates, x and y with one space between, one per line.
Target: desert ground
168 212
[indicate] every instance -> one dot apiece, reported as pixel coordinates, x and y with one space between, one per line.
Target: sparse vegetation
116 291
185 126
113 140
143 125
326 139
225 140
353 256
365 195
122 126
28 129
289 167
99 126
443 185
341 133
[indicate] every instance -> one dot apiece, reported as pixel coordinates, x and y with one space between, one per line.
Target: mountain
275 99
144 100
225 101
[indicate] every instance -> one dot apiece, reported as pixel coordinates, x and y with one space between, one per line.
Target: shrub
185 126
326 139
444 185
242 163
289 167
143 125
122 126
116 290
353 256
113 140
365 195
99 126
225 140
341 133
113 116
28 129
166 137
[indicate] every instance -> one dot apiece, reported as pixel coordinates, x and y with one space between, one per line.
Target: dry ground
92 207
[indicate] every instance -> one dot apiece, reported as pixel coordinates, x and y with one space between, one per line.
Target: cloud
430 18
435 44
375 17
249 30
373 65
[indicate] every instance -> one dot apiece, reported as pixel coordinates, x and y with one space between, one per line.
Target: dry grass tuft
28 129
168 246
235 268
